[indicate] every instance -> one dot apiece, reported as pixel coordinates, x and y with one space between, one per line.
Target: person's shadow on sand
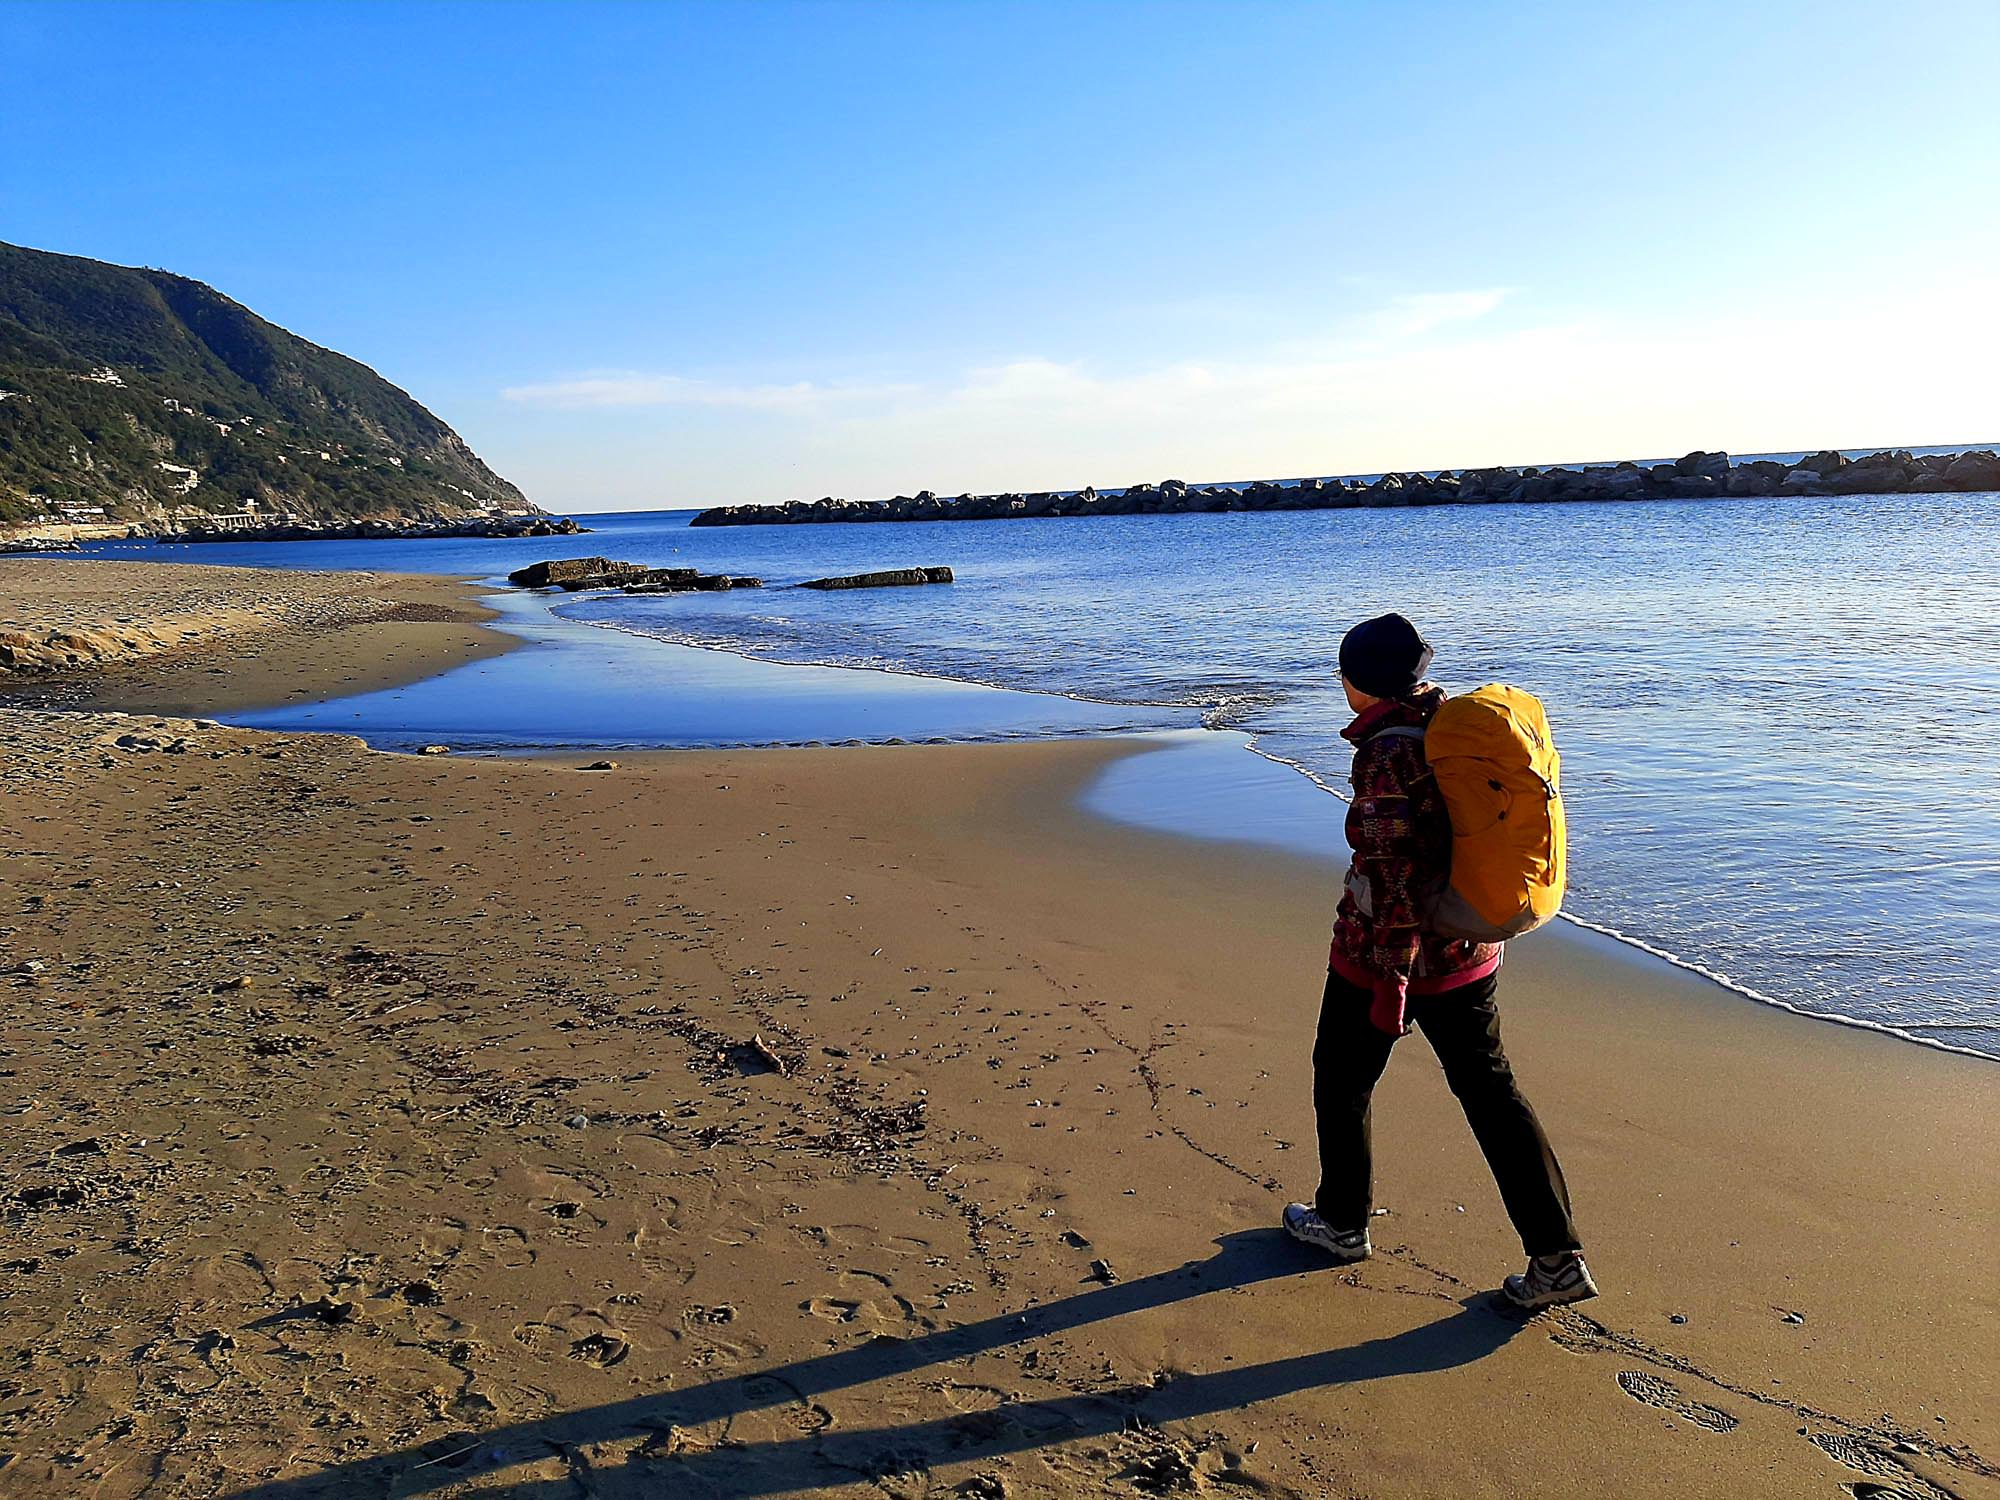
838 1457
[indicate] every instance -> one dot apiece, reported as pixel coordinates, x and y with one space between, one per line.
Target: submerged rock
893 578
687 581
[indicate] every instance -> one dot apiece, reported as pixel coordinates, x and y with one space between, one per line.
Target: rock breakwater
1698 475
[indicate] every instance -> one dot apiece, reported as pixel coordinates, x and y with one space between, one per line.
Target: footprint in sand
562 1183
577 1219
442 1241
861 1237
969 1396
869 1300
779 1398
509 1246
707 1344
663 1211
584 1334
536 1336
833 1309
656 1261
1867 1458
1655 1390
233 1280
600 1349
736 1234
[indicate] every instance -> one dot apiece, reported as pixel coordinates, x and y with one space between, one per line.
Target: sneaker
1550 1281
1308 1228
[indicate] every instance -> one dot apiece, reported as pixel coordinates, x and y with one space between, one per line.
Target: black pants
1463 1028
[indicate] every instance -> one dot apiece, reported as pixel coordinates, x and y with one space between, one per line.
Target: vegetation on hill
143 393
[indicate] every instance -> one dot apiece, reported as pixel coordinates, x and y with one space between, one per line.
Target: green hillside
141 392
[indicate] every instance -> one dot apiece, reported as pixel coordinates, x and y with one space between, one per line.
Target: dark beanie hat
1384 657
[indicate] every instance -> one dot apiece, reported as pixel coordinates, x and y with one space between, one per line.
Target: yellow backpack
1497 767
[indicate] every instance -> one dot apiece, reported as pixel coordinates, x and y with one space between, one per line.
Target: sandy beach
868 1121
193 638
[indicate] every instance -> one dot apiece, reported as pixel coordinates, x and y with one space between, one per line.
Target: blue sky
656 254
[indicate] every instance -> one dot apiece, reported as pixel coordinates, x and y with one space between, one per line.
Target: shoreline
1639 949
179 685
1333 857
1014 1041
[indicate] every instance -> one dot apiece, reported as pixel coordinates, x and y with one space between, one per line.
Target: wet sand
870 1122
190 638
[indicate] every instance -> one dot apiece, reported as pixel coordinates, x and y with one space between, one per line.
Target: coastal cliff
1699 475
141 396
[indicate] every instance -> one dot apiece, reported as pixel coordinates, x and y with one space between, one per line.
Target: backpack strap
1401 732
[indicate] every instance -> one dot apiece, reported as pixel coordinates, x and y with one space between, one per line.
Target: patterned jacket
1401 837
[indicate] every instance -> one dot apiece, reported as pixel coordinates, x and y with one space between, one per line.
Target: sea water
1779 720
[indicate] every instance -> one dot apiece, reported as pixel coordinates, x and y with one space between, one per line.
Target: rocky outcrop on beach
1696 476
893 578
33 544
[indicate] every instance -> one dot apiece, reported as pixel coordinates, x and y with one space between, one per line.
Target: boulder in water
1978 470
1704 465
560 571
892 578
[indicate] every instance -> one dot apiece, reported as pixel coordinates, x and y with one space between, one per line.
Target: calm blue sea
1780 722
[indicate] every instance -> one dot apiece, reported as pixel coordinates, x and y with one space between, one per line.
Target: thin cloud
1418 313
623 388
1031 379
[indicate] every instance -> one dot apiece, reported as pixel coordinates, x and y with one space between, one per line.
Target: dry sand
395 1126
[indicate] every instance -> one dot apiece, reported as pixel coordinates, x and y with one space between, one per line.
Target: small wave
1317 778
1232 710
1693 966
1225 703
1736 987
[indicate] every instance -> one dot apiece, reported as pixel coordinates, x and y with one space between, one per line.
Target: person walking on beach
1390 967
